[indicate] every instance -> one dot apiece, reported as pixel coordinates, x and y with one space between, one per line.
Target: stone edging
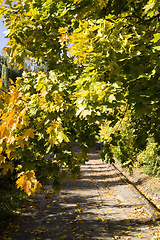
151 207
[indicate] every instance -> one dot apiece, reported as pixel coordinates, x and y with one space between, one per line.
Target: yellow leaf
42 101
28 182
11 81
23 183
57 97
0 83
8 152
62 30
61 136
64 237
43 93
2 159
140 236
10 117
79 235
1 149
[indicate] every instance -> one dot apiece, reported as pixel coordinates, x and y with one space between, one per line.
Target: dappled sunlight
98 205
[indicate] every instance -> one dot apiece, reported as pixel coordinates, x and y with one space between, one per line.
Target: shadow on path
90 208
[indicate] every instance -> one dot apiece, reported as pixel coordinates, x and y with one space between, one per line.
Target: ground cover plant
11 198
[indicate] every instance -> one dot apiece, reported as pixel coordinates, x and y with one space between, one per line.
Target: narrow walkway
99 205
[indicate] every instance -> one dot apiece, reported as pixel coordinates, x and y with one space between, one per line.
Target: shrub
149 159
10 198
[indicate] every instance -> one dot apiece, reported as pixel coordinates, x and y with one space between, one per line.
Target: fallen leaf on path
63 237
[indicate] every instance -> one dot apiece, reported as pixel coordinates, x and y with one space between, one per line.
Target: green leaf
156 37
157 48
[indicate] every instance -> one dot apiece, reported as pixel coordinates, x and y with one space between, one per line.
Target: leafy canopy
102 59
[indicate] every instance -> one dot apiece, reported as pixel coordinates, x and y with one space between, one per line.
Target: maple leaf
62 137
62 30
7 166
20 142
9 119
2 159
43 93
11 81
29 133
37 187
27 186
28 182
14 96
8 152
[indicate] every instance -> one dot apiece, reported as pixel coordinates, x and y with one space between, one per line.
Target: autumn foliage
98 60
34 119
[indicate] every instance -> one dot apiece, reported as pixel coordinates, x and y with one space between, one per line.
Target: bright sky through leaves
3 41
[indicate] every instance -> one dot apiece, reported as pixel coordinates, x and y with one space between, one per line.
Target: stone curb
150 207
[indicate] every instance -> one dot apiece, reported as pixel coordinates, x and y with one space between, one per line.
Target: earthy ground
102 204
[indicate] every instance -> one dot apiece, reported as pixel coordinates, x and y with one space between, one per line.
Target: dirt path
99 205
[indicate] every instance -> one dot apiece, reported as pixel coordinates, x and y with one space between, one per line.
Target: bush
121 140
149 159
10 198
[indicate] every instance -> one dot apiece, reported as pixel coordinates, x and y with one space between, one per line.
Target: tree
8 71
113 67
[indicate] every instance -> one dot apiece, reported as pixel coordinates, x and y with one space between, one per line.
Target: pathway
99 205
